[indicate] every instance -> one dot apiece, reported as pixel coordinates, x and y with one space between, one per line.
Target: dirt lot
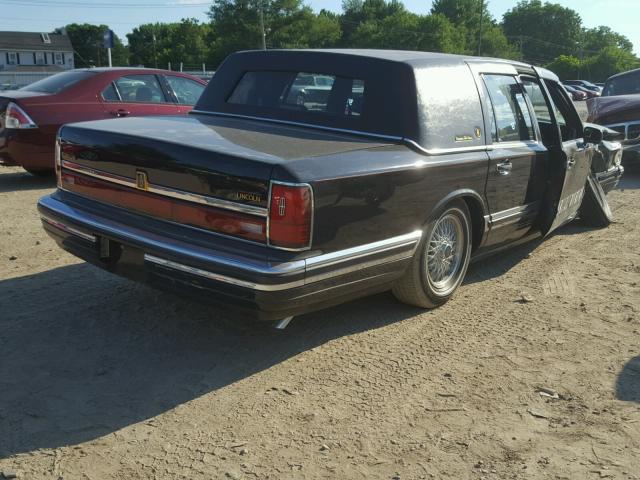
101 378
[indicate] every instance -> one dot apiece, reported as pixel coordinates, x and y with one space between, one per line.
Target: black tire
40 173
416 287
595 211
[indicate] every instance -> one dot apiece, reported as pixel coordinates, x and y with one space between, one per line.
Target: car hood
616 109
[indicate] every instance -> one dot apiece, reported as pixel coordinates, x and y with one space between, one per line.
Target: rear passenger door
137 95
517 160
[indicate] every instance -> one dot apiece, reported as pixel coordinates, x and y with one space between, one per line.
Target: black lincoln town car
408 166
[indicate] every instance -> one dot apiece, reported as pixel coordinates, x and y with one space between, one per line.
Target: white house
30 51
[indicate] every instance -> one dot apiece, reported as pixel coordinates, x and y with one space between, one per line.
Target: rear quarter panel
369 195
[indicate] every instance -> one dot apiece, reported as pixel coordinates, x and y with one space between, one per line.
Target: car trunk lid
207 171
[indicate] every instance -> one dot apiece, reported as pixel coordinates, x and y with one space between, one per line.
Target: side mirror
592 134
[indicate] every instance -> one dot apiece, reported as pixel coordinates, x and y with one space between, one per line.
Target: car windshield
59 82
624 85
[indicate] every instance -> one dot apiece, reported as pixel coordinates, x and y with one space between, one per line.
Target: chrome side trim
446 151
513 214
220 278
166 191
329 259
66 228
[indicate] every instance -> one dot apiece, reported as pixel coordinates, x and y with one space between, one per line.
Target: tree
151 44
358 12
481 34
288 24
566 67
543 30
87 41
609 61
599 38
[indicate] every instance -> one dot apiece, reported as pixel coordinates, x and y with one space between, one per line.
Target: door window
511 120
570 123
110 94
186 91
140 89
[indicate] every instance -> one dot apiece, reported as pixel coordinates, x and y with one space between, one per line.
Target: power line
66 4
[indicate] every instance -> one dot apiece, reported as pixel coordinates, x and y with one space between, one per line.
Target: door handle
121 112
504 168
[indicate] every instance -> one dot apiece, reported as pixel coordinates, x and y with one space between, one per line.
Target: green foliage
566 67
534 31
87 43
157 44
599 38
287 24
544 29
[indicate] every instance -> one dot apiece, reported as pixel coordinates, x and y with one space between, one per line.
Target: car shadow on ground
85 353
628 382
18 181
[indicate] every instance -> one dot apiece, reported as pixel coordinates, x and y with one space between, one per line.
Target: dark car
257 201
30 117
585 84
575 93
619 109
590 93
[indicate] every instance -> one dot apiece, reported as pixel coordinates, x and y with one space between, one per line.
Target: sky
123 15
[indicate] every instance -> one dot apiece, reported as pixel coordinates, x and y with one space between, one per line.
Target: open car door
570 156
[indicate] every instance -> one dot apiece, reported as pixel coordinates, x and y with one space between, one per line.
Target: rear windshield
58 82
300 91
625 85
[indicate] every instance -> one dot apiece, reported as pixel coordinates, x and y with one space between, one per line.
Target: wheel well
477 220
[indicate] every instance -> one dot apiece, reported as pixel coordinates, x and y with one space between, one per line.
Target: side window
542 111
512 119
110 94
570 124
187 91
140 88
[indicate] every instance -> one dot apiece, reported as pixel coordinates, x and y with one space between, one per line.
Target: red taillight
15 117
290 215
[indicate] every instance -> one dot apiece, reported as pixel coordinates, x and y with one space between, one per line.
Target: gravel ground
532 371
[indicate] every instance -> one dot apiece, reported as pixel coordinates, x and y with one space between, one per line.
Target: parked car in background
590 93
585 84
31 116
619 109
575 93
257 201
625 83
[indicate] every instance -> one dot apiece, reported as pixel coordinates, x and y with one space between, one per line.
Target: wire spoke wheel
445 253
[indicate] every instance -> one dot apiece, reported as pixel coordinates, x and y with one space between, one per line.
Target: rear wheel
440 261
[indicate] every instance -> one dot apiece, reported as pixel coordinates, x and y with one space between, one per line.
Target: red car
30 117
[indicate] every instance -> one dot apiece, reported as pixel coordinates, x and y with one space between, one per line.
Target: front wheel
440 261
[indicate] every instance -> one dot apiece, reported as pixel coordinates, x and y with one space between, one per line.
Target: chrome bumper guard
88 226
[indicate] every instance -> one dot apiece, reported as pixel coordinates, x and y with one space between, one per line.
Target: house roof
33 41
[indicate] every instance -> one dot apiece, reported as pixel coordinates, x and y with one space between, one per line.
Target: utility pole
264 35
155 57
480 29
